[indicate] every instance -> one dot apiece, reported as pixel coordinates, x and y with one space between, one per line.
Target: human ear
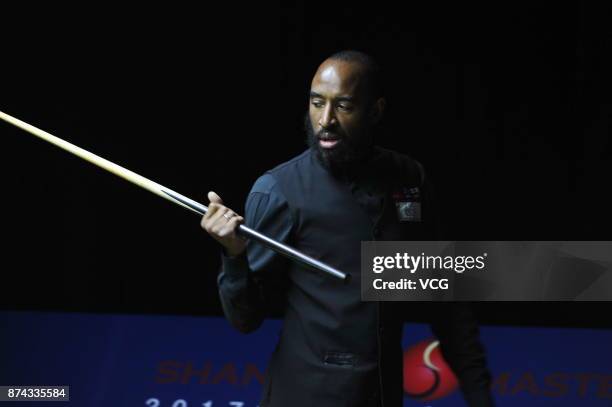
377 110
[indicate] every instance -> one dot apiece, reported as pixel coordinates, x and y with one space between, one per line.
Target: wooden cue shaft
171 195
96 160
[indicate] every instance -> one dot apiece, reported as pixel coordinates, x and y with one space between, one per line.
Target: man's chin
334 158
338 158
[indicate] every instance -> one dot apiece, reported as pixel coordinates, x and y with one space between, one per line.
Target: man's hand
221 223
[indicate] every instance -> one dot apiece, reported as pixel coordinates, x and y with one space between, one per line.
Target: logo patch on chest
408 204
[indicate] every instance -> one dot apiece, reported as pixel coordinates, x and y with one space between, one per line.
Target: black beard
342 159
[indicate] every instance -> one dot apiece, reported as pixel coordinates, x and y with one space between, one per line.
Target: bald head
369 70
342 79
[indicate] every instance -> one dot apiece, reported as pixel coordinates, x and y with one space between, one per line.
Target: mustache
325 134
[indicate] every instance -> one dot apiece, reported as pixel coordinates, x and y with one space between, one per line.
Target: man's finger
217 221
212 209
213 197
230 226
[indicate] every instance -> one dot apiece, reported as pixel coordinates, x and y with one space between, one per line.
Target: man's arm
250 280
242 297
454 324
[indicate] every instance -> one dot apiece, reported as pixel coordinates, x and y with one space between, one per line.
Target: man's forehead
337 77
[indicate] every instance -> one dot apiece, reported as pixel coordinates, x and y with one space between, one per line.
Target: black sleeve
454 324
248 283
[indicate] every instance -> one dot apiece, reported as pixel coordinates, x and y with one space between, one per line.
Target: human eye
318 103
345 107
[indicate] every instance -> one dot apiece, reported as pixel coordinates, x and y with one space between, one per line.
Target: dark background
508 108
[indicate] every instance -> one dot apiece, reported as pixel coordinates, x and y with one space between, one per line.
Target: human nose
328 119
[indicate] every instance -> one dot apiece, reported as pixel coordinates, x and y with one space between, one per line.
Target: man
334 349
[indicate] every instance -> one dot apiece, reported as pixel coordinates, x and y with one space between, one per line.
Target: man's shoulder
393 157
291 165
269 180
401 164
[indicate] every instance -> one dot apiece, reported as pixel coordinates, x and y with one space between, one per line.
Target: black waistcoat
334 349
